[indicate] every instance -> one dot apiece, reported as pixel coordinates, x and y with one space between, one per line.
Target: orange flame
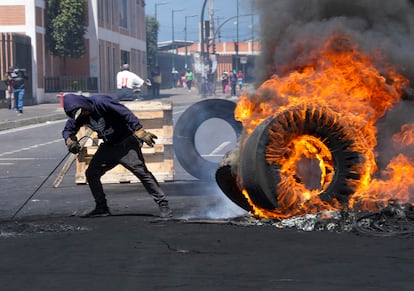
359 89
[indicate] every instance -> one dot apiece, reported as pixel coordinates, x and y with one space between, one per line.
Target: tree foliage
152 27
65 28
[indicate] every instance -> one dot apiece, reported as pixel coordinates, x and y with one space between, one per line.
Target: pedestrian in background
9 89
19 79
129 84
224 82
233 83
240 78
156 81
182 79
189 77
175 75
122 135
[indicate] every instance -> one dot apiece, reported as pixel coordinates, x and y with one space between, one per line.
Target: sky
224 11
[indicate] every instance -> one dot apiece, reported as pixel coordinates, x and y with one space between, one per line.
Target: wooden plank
148 105
156 116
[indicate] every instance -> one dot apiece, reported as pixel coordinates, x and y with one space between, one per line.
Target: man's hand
73 145
146 137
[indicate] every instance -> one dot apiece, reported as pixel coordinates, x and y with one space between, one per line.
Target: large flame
360 89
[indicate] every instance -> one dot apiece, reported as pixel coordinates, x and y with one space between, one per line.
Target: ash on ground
15 228
395 219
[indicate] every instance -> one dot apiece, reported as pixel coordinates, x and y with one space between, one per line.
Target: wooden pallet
156 117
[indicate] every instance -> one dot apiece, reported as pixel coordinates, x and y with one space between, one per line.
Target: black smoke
290 29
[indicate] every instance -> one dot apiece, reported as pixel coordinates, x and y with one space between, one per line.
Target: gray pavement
205 246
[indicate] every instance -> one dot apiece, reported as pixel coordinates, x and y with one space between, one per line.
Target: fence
71 84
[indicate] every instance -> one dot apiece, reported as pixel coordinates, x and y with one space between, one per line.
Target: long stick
40 186
82 143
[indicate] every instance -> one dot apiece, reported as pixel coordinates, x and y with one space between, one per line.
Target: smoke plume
290 29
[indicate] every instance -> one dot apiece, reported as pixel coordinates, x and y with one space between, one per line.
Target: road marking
216 151
178 112
220 148
24 159
31 147
11 130
6 164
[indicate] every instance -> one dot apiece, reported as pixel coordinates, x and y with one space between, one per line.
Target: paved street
209 244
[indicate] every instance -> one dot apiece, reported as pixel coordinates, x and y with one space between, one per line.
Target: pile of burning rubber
309 141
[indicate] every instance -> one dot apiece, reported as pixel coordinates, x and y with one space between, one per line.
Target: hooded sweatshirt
110 119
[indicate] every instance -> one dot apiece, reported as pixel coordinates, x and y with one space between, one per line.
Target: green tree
65 28
152 27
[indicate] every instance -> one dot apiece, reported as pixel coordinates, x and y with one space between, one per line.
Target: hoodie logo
99 127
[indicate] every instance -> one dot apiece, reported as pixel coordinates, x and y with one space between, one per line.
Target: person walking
19 78
156 81
175 75
233 83
240 78
224 82
9 89
127 83
190 77
123 136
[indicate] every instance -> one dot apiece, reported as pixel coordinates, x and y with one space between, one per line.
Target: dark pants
233 89
127 94
127 153
189 84
156 89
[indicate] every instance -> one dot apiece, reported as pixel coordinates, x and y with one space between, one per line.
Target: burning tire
226 179
305 149
186 128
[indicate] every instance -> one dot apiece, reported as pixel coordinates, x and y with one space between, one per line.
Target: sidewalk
31 115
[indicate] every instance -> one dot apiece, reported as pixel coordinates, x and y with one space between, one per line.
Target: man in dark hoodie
122 135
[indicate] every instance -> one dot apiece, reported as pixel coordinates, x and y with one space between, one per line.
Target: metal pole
156 19
185 38
173 41
237 37
203 93
172 44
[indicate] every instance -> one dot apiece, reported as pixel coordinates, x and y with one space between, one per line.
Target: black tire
226 178
186 128
260 178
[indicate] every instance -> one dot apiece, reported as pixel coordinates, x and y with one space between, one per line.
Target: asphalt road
210 244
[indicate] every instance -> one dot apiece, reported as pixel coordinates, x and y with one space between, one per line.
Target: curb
30 121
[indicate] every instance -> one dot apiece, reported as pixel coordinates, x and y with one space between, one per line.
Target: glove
73 144
146 137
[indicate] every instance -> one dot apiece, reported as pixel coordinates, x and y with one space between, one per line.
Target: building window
123 13
125 57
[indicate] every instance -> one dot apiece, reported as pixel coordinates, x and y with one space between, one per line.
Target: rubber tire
185 131
227 181
260 178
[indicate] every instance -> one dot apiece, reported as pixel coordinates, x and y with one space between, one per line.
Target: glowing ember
354 89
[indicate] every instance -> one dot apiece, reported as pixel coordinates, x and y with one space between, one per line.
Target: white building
115 34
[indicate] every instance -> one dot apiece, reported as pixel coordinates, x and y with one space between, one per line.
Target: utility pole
156 19
237 37
211 16
203 93
185 37
173 47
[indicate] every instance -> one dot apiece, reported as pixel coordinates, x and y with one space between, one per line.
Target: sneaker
97 212
165 211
